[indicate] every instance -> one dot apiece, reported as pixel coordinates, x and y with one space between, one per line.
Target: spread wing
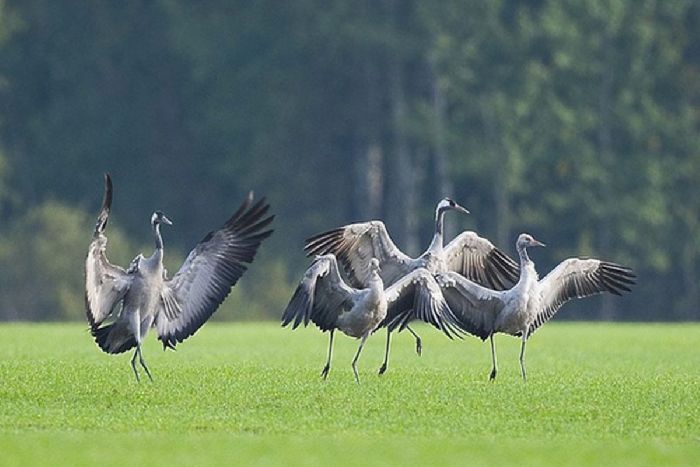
578 278
105 283
474 306
321 296
355 244
210 271
418 296
480 261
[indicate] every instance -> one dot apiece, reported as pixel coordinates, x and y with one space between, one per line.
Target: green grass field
251 394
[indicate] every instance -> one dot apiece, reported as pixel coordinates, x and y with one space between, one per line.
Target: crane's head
159 218
446 204
527 240
374 265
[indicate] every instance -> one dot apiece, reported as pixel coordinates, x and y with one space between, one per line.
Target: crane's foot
382 369
326 369
419 346
492 377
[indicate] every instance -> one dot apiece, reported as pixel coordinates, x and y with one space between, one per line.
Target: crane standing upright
519 311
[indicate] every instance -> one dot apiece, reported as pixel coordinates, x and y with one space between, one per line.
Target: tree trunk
441 158
369 160
501 193
608 310
401 211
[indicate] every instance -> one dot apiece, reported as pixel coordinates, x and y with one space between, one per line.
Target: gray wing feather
355 244
418 296
211 269
475 306
105 283
477 259
579 278
320 297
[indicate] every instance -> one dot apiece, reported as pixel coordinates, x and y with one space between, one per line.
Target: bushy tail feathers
114 338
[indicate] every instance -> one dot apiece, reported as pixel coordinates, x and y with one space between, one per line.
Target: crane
324 298
123 304
522 309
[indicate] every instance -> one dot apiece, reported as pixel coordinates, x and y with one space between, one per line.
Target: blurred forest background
575 120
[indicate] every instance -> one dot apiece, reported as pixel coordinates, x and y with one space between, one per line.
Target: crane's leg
327 368
419 342
522 355
494 370
143 362
382 369
133 365
357 356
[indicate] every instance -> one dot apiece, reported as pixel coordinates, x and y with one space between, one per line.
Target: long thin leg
143 363
382 369
327 368
494 370
133 365
357 356
419 342
522 355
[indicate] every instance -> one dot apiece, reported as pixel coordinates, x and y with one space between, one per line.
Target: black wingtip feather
324 242
297 309
103 216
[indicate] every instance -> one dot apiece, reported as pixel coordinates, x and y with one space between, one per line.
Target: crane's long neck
158 239
437 243
527 267
524 258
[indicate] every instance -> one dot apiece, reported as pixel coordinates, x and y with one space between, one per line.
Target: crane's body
368 311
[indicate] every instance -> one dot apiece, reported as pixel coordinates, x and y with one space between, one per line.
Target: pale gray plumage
468 254
522 309
324 298
122 304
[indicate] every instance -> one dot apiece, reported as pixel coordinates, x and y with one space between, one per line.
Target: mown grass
251 394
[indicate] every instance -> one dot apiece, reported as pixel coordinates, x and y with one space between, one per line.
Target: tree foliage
575 120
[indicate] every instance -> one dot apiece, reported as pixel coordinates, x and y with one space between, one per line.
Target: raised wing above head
321 296
480 261
418 296
105 283
209 272
355 244
578 278
474 306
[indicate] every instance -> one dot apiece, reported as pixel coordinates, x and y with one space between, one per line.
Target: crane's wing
105 283
321 296
480 261
474 306
418 296
355 244
578 278
210 271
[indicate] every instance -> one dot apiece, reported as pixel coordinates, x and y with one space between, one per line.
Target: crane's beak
165 220
537 243
461 209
